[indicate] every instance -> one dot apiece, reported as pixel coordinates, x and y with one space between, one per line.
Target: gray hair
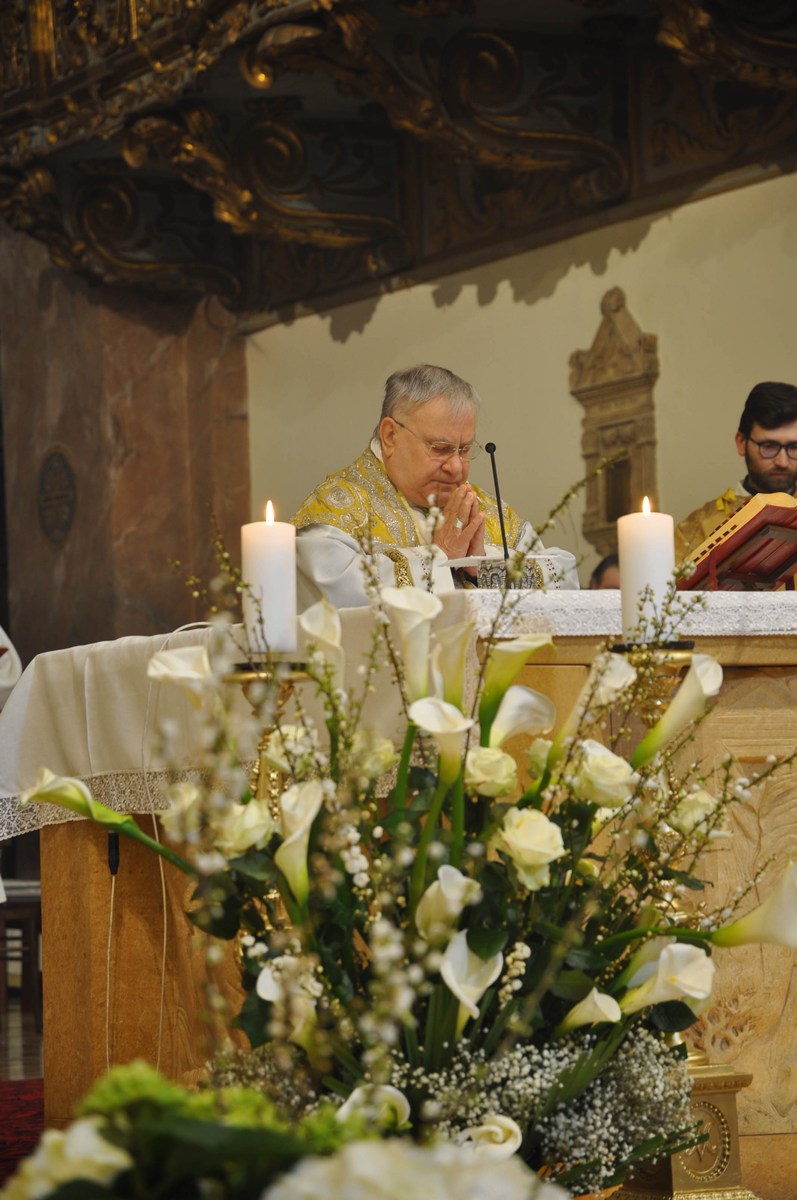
409 389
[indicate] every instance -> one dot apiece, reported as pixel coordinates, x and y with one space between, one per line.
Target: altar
123 973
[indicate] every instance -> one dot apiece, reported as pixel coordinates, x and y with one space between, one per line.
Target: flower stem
400 790
418 878
130 830
457 821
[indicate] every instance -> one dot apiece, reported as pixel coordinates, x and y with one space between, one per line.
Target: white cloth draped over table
91 712
10 666
10 672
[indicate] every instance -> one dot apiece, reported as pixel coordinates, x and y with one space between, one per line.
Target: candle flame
646 506
269 513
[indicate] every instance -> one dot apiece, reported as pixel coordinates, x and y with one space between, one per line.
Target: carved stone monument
614 382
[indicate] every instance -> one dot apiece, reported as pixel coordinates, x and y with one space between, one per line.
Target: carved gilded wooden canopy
276 152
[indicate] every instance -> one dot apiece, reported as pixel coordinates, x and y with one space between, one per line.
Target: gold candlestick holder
665 664
268 686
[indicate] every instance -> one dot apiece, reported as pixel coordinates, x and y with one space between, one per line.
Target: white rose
695 810
496 1138
441 904
373 755
490 771
243 826
532 842
602 777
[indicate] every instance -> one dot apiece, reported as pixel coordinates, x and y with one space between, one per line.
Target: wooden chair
22 913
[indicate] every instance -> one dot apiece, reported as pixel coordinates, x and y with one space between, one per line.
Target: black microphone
490 448
113 852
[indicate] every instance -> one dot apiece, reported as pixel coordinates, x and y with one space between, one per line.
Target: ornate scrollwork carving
263 182
752 44
280 150
478 96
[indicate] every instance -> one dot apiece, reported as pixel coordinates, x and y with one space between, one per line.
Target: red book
754 550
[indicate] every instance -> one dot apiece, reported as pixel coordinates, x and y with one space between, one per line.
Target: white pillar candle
268 565
646 549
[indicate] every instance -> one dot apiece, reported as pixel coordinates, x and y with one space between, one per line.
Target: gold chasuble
362 502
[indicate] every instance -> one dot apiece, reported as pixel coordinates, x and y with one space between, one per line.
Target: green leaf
591 958
255 864
487 942
572 985
672 1016
253 1019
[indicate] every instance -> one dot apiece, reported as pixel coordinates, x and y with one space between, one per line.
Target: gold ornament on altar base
711 1170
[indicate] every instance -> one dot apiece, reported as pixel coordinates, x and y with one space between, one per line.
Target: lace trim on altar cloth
597 614
124 791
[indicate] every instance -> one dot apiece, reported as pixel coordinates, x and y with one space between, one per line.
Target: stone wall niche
614 382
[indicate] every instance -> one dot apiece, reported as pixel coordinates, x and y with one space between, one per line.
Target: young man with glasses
767 440
407 491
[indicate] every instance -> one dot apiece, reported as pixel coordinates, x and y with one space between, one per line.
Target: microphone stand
490 448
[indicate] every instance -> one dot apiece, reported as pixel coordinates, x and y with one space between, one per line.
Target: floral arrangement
456 970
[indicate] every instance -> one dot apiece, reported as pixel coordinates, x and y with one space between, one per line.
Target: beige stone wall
713 279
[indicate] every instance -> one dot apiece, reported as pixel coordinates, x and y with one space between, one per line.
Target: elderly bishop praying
418 460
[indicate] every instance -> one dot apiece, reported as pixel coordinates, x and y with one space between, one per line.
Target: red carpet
21 1121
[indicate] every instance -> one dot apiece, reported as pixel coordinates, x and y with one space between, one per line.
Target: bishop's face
413 462
778 474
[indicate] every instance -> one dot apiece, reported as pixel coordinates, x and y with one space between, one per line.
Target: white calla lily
69 793
595 1009
440 905
381 1105
467 975
448 727
681 972
412 611
449 659
187 666
702 681
286 982
609 676
521 710
321 623
506 659
299 807
497 1137
774 922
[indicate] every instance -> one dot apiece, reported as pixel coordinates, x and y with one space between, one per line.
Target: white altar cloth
91 712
